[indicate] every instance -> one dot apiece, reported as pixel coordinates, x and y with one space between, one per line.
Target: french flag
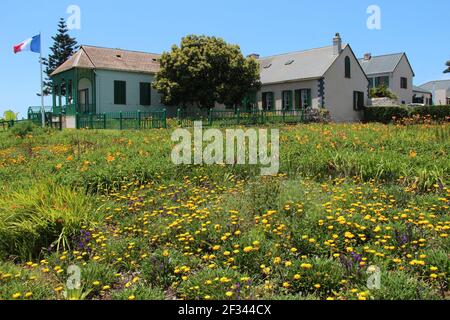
33 44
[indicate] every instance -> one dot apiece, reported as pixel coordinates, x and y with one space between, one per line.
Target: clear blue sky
420 28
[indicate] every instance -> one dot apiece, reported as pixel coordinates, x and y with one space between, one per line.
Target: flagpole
42 82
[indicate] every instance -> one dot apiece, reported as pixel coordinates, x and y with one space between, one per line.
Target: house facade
392 70
422 96
440 90
97 80
329 77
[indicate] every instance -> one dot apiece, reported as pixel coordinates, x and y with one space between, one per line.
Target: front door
83 101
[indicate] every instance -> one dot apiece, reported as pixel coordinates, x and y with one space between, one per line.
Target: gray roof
301 65
419 89
438 85
90 57
381 64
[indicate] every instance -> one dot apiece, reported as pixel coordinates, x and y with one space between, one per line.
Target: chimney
253 55
337 45
367 56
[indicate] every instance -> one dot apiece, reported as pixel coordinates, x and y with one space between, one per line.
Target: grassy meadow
349 199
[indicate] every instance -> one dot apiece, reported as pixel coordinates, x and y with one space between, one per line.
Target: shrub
385 114
435 112
22 129
382 92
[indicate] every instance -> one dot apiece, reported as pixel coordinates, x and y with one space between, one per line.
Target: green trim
289 105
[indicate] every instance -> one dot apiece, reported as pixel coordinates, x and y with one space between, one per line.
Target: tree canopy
448 67
64 46
204 70
9 115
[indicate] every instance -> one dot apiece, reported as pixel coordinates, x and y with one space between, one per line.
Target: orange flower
110 158
412 154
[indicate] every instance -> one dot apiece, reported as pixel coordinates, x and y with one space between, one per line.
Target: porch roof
90 57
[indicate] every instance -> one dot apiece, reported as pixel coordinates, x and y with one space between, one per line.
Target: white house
440 90
392 70
422 96
329 77
97 80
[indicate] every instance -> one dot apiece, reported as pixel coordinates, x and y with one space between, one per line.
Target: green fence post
210 117
60 122
238 113
303 114
120 120
91 121
284 115
104 120
164 118
179 116
77 120
139 119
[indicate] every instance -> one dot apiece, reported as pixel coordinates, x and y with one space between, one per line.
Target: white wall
105 91
441 96
339 89
84 84
403 70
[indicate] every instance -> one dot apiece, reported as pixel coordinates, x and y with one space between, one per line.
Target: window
404 83
303 99
289 62
348 70
268 101
371 82
146 94
358 100
120 92
287 100
382 81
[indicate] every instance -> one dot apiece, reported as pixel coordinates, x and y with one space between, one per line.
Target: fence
135 120
229 118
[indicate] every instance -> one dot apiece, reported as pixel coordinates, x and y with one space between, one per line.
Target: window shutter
145 94
298 100
120 92
309 98
291 101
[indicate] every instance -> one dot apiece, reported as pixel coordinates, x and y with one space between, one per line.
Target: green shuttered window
303 99
120 92
268 100
287 100
145 94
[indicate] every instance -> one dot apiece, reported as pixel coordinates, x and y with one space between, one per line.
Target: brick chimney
337 44
367 56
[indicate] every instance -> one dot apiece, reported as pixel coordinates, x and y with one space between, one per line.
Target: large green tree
204 70
64 46
448 67
9 115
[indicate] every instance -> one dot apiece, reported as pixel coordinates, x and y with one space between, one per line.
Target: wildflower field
350 199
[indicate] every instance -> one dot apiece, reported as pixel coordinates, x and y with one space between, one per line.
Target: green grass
139 227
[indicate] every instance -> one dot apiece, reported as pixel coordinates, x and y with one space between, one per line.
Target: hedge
387 114
435 112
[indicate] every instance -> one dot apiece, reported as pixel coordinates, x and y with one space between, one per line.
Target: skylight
289 62
267 66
